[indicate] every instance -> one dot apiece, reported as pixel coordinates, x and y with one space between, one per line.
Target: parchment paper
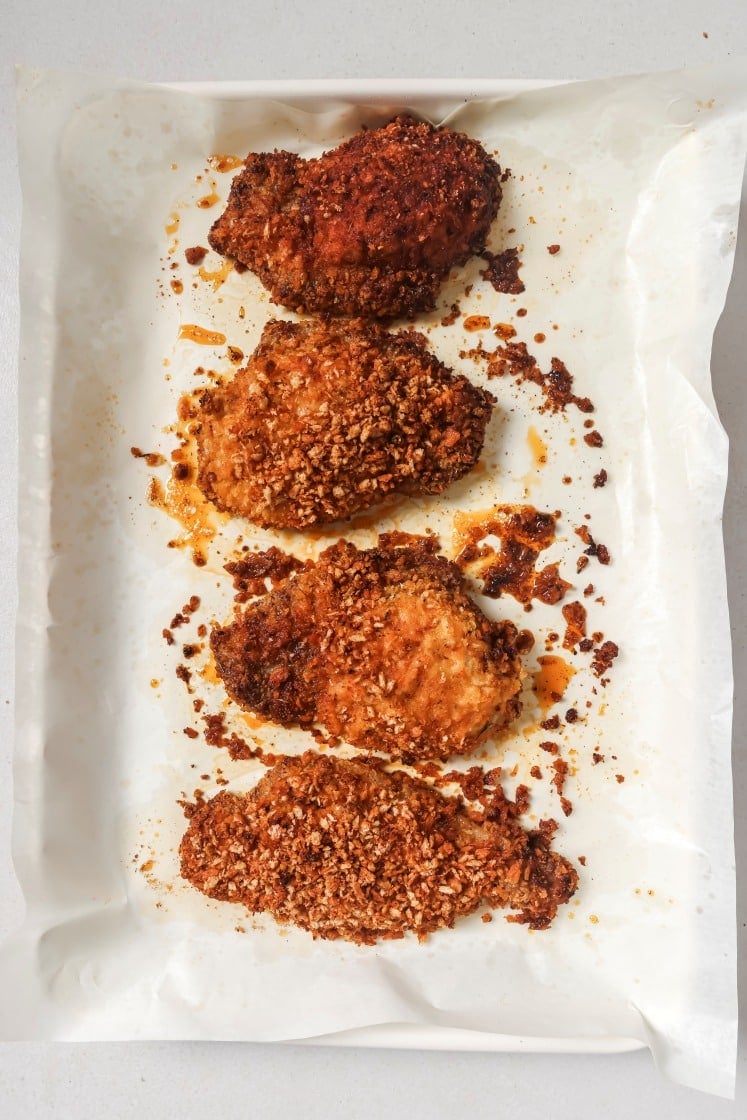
638 180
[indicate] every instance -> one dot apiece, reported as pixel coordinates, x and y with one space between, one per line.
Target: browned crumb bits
553 249
195 255
503 271
575 618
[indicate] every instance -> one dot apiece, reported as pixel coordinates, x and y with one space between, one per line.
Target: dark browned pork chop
381 647
370 228
328 418
345 850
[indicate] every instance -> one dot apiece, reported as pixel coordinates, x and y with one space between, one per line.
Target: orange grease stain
183 500
551 680
209 200
477 323
201 335
225 163
219 276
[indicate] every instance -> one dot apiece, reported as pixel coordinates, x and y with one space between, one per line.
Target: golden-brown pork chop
345 850
382 647
328 418
370 228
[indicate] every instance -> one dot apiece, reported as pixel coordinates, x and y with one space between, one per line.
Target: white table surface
243 39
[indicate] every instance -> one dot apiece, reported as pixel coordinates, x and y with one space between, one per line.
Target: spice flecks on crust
371 227
328 418
382 647
345 850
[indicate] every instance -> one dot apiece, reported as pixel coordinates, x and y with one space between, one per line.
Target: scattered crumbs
190 732
256 570
600 479
593 439
571 716
582 860
536 772
589 590
487 917
601 551
550 724
620 778
169 637
524 532
521 312
195 255
550 747
604 655
452 316
539 337
152 458
593 919
596 758
575 624
184 674
514 360
553 249
503 271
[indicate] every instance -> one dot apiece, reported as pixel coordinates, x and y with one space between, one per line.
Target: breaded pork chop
327 418
371 227
345 850
382 647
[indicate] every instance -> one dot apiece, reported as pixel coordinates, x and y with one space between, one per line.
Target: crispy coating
381 647
328 418
345 850
370 228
